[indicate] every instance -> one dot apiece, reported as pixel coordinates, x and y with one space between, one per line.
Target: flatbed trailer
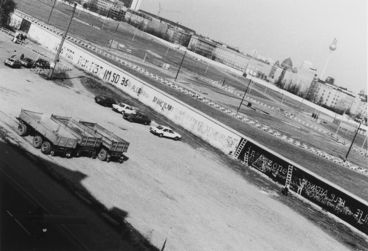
88 141
47 135
112 145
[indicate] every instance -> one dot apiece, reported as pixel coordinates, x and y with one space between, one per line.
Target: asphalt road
70 223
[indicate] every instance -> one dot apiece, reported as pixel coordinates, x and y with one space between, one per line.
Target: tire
52 153
68 155
102 155
46 147
94 155
160 135
176 138
37 141
22 129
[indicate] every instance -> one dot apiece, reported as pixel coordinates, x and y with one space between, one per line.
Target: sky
299 29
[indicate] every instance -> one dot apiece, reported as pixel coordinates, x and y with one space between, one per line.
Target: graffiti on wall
274 167
305 184
331 199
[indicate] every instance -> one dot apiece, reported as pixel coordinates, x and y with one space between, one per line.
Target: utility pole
352 142
117 27
52 9
56 59
245 92
181 63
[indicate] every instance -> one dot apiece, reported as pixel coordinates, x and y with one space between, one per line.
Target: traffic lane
96 234
19 230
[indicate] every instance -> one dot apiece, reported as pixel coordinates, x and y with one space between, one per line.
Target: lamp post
352 142
181 63
56 59
245 92
52 9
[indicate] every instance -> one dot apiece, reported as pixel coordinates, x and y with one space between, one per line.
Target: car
41 63
138 118
164 131
124 108
12 62
105 100
27 62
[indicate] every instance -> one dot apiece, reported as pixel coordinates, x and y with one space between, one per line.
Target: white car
124 108
164 131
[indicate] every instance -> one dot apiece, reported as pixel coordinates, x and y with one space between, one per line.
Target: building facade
359 106
332 96
202 45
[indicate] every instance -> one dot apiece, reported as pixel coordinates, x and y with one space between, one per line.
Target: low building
202 46
331 96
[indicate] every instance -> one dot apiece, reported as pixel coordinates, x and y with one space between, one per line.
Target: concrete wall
203 126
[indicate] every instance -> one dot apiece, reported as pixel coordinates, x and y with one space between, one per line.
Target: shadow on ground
130 238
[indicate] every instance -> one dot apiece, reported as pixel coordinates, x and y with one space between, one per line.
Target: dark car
138 118
105 100
41 63
27 62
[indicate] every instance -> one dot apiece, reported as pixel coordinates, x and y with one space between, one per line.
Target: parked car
12 62
105 100
138 118
124 108
164 131
41 63
27 62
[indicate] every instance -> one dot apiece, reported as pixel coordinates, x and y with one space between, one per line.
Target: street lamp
56 59
352 142
52 9
181 64
245 92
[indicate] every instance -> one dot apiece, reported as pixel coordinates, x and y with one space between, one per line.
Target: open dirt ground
169 189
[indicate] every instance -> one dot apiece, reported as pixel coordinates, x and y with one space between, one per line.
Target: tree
6 8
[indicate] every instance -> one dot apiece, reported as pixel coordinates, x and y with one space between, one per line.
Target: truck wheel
37 141
102 155
22 129
46 147
68 155
94 155
160 135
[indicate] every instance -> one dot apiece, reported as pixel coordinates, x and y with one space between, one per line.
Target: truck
47 135
113 147
89 143
69 137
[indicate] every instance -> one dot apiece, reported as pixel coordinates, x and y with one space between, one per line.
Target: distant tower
331 48
136 5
